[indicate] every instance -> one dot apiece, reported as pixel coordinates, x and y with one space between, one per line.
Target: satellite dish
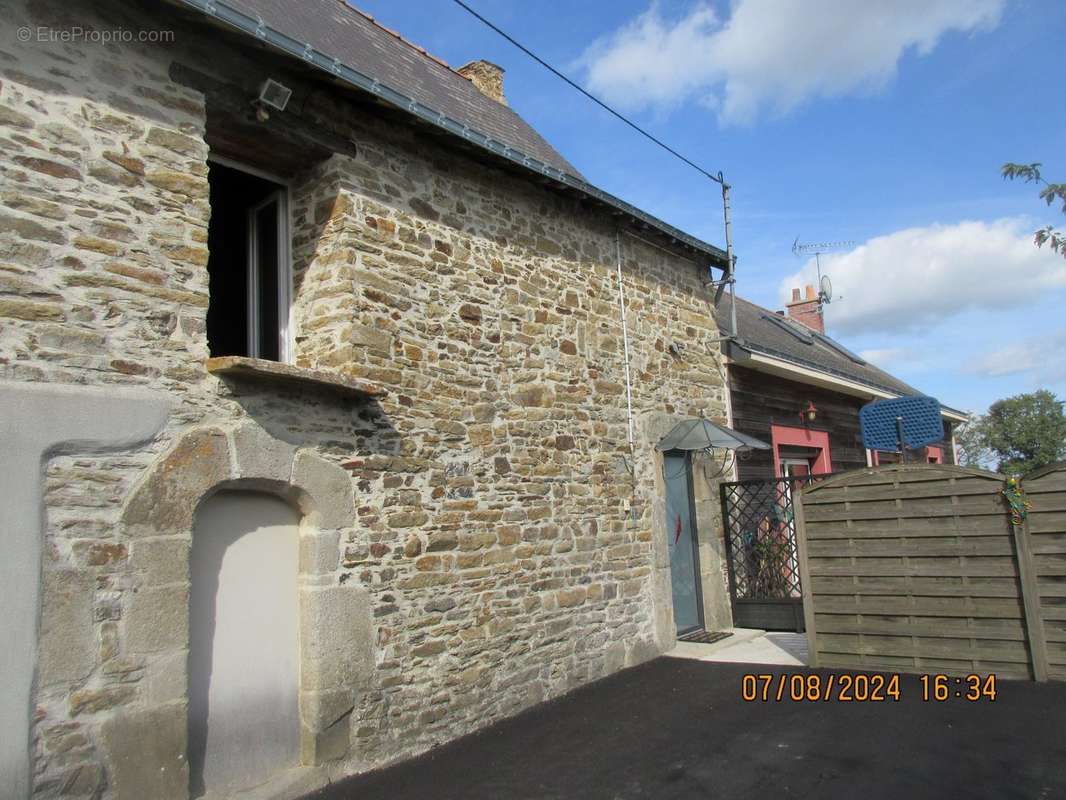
826 287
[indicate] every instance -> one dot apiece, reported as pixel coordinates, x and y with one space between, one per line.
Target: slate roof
332 36
761 332
360 42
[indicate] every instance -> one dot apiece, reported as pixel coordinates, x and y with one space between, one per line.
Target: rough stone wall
506 561
506 534
103 224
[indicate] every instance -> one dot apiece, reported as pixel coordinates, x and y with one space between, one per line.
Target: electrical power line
718 178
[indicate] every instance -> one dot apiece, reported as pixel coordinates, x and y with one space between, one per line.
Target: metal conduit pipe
625 333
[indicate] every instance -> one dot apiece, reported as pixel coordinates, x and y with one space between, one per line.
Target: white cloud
1042 357
913 279
771 53
886 356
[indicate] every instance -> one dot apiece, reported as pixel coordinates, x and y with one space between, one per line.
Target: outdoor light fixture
810 413
273 94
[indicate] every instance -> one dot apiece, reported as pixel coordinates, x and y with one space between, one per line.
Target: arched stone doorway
147 744
244 712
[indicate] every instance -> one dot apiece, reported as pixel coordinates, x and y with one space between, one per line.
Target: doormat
704 637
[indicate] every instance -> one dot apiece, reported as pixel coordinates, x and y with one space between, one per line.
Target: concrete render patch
36 422
777 648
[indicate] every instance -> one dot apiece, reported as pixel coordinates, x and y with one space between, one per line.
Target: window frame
282 300
785 435
286 330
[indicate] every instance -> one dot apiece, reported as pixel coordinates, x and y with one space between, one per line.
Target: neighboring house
317 422
800 391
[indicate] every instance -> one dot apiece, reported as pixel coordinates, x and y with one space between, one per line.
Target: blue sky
882 122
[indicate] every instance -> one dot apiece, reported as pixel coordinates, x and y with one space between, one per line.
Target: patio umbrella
699 433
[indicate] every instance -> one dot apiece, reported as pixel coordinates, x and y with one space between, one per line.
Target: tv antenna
825 286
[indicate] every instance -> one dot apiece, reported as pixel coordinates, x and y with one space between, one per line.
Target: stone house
329 400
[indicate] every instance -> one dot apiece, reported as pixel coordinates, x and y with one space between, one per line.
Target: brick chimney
487 77
807 310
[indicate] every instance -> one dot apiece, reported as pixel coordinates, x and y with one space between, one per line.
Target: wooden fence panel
917 568
1045 530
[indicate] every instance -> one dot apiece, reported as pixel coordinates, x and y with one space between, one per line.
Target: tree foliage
1050 193
970 439
1017 435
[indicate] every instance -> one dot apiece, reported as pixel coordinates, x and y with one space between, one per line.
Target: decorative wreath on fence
1016 499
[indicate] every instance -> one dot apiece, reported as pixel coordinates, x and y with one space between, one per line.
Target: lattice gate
760 539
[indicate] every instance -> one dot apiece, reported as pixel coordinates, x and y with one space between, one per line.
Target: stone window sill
263 371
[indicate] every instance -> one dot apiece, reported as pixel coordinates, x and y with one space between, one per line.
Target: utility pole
727 213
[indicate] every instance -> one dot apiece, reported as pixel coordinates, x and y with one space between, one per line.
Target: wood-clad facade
760 402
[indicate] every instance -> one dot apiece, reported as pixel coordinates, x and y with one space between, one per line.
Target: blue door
682 543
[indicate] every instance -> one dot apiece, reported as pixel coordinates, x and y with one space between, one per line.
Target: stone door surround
146 746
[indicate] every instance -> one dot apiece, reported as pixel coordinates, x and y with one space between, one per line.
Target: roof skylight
827 342
794 328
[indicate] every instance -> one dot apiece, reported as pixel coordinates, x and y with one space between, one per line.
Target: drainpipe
625 334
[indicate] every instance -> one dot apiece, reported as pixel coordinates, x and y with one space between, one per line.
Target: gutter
221 11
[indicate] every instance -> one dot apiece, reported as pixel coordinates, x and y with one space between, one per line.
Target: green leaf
1029 172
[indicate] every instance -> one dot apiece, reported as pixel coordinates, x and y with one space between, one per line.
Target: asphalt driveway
676 728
